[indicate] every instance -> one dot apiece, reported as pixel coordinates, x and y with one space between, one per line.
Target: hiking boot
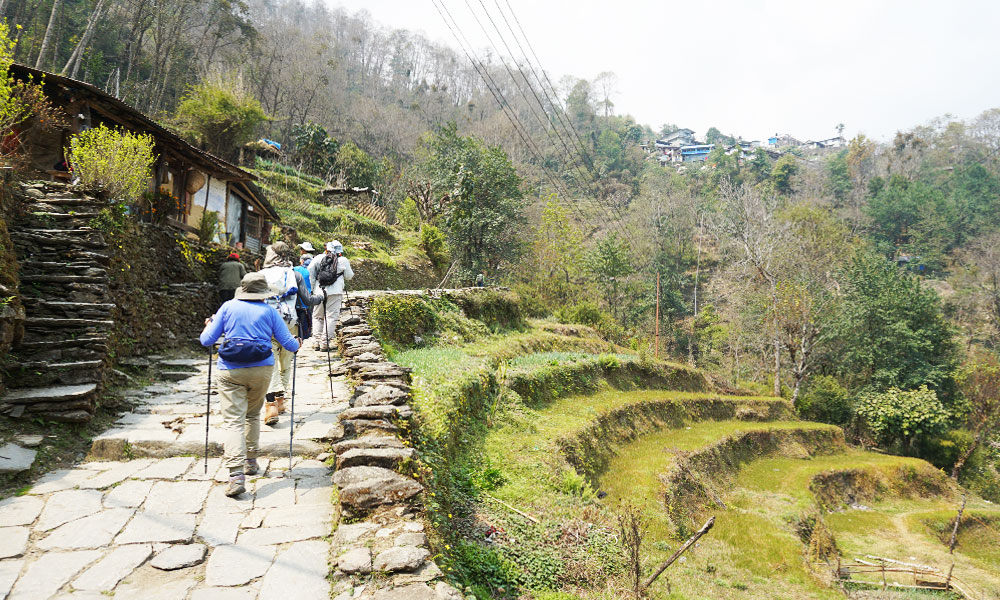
237 485
279 399
270 413
251 468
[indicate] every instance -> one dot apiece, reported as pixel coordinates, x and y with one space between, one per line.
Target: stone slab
15 458
221 593
147 583
236 565
114 567
68 505
50 572
357 560
167 468
177 496
9 570
217 528
94 531
13 541
272 493
156 527
266 536
20 510
118 472
302 568
180 556
292 516
62 479
400 558
128 494
219 502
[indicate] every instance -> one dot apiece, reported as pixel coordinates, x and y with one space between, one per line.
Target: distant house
681 137
696 152
782 141
362 200
192 179
834 142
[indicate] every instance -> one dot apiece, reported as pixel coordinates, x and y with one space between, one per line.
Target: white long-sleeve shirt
343 266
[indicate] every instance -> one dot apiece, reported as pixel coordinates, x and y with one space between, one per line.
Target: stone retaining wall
380 548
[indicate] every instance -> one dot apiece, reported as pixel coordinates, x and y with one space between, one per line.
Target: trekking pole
291 424
208 403
329 363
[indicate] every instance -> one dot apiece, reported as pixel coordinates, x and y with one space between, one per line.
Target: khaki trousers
325 315
241 393
281 376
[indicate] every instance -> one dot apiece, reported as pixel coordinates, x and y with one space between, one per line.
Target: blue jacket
248 320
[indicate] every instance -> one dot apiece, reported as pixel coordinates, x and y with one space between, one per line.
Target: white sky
755 67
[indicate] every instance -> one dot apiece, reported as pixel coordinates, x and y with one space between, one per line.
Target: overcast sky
756 67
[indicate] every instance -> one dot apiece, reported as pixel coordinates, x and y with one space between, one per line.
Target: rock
414 591
379 491
105 575
176 375
67 506
445 591
153 584
177 496
358 560
302 570
9 570
402 558
236 565
368 357
62 479
368 442
424 574
378 457
352 532
58 393
219 528
14 458
377 412
361 427
272 493
118 473
297 515
152 527
345 477
413 527
20 510
322 456
13 541
29 441
50 572
94 531
180 556
411 539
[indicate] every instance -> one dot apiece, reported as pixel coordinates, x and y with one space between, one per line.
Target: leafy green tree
781 174
608 264
759 166
359 169
839 178
714 136
408 217
558 251
979 383
890 330
898 418
485 217
898 206
314 149
220 116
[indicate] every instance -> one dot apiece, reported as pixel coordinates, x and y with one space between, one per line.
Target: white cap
334 247
307 246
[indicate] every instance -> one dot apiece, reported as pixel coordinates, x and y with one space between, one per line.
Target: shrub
433 243
118 162
584 313
207 226
496 308
902 417
399 319
825 400
408 216
220 114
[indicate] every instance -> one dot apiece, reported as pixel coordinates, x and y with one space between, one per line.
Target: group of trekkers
264 318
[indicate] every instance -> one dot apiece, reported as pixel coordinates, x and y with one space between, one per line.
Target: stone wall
380 547
11 310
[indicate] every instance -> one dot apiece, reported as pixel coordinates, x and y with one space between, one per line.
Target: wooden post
656 352
694 538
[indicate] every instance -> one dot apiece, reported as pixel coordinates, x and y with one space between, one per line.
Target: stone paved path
152 524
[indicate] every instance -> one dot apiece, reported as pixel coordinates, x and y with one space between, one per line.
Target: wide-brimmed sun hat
254 287
307 246
335 247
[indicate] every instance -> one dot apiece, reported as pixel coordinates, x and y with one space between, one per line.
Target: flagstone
157 527
9 570
275 492
236 565
13 541
94 531
302 568
128 494
217 528
61 479
50 572
20 510
68 505
120 471
177 496
114 567
167 468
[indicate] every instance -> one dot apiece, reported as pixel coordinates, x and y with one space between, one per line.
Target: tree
979 382
891 331
485 216
558 249
609 263
714 136
220 115
314 150
359 169
902 417
607 85
781 174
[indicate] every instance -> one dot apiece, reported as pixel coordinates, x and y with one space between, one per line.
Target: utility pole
656 353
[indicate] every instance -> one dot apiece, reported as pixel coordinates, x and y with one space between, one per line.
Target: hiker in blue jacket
246 362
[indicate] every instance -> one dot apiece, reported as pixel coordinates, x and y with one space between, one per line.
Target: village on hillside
681 146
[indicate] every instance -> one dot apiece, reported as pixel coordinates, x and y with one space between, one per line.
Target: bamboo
694 538
520 512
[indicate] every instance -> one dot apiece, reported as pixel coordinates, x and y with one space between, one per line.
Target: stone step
61 216
32 265
36 323
51 394
70 200
51 278
61 342
83 238
64 255
40 302
42 373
